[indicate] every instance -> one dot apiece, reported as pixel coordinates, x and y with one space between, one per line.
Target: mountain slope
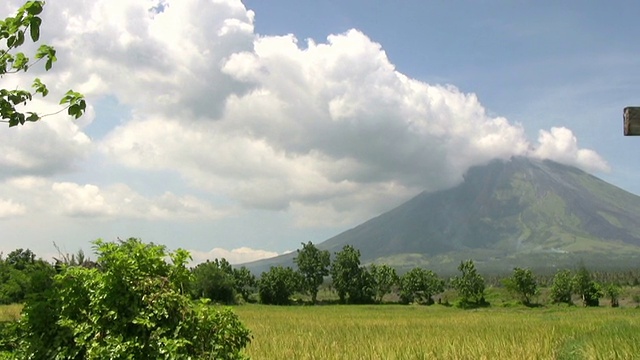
516 209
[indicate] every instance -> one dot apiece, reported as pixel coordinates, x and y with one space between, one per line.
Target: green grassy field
435 332
438 332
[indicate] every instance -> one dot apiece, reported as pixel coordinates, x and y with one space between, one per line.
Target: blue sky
240 129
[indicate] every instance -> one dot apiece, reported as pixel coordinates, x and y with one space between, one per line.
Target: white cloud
117 201
331 131
8 209
236 256
561 145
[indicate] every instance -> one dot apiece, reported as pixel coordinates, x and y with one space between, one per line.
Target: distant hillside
521 212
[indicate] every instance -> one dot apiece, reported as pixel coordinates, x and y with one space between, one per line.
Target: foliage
562 287
470 285
612 292
277 285
352 282
584 286
13 30
16 272
244 282
313 265
419 285
214 280
132 306
523 284
384 279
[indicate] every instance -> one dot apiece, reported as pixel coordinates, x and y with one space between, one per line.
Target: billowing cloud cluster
330 131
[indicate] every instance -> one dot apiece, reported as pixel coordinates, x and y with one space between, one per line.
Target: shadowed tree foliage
384 279
419 285
523 284
244 282
278 284
214 280
562 287
589 290
353 283
470 285
313 266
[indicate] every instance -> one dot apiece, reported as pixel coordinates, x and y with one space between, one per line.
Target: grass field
434 332
438 332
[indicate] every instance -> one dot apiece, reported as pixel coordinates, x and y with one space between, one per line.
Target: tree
277 285
584 286
612 292
353 283
313 265
21 259
523 284
562 287
214 280
13 30
419 285
245 282
132 306
384 278
470 285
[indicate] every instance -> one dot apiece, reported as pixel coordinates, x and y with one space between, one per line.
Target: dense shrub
133 305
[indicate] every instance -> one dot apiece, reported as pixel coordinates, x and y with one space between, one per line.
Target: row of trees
353 283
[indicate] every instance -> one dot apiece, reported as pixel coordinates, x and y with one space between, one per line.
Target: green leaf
20 39
34 28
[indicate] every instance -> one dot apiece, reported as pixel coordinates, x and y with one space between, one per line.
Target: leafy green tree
612 291
588 289
353 283
313 265
133 305
384 279
278 284
14 30
214 280
21 259
245 282
523 284
470 285
562 287
419 285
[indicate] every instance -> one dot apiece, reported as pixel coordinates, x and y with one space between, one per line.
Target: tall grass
437 332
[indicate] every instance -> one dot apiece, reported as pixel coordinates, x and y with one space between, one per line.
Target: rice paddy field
434 332
439 332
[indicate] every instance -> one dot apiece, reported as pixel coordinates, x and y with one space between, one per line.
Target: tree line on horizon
220 282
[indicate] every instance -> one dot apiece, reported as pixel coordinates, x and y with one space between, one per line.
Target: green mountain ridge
520 212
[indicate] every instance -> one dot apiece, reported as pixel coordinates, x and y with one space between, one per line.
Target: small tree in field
133 305
612 292
562 287
470 285
214 280
588 289
353 283
523 284
384 279
277 285
313 265
419 285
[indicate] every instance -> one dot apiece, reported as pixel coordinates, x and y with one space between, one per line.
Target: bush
134 305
